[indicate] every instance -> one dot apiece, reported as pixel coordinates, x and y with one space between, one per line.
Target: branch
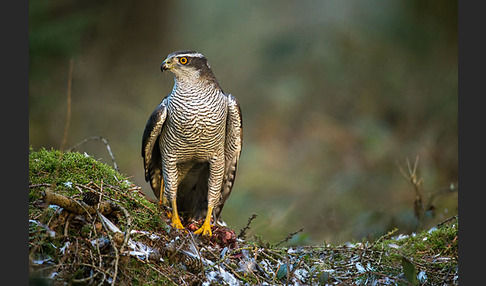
416 182
115 166
75 206
289 237
68 113
247 227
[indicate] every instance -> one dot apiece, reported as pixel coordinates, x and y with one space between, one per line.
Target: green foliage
282 271
410 271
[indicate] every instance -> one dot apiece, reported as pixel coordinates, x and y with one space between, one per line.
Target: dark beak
164 66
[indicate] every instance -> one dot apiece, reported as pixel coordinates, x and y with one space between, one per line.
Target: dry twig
77 207
247 227
68 112
102 139
289 237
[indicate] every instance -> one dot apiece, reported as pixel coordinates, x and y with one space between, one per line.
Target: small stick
447 220
289 237
102 139
68 113
247 227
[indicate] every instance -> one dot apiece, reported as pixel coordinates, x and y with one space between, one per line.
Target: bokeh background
336 96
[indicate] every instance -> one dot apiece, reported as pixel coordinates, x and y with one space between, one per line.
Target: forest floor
90 225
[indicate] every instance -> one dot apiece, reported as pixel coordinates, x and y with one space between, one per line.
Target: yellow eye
183 60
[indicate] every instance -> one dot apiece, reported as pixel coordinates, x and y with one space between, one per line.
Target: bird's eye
183 60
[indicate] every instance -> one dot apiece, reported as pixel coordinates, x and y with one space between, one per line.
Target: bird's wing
150 147
232 150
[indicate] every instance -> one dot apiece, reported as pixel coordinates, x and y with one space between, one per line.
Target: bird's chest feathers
195 118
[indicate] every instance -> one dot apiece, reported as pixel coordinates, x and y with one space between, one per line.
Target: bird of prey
192 142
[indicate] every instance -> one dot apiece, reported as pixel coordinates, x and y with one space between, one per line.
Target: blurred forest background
335 96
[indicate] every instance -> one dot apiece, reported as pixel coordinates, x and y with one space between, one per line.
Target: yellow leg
205 229
162 199
161 190
176 221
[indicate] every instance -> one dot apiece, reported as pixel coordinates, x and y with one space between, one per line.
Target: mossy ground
72 173
80 250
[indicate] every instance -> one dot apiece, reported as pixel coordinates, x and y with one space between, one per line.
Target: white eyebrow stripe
195 55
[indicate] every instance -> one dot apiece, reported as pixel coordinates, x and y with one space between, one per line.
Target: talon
205 229
177 224
176 221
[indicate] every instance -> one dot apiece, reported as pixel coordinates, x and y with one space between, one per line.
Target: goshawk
192 142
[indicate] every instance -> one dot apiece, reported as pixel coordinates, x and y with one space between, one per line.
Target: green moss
435 251
61 168
435 242
73 173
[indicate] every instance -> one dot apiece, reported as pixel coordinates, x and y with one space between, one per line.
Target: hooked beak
164 66
167 64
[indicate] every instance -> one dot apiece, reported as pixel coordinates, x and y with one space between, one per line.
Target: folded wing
232 150
150 148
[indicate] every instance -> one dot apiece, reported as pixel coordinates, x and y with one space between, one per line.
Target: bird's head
187 65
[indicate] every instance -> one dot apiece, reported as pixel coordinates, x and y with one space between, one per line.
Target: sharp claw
204 230
176 222
178 225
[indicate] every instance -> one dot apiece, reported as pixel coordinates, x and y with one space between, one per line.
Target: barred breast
196 122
